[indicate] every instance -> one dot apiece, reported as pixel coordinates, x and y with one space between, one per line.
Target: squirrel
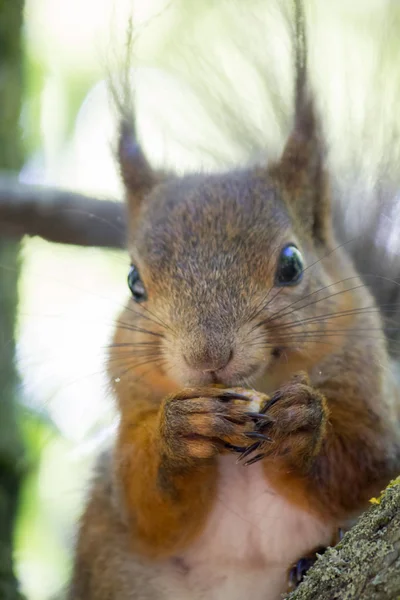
258 415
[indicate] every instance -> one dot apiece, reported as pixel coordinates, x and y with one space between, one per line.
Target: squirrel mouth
277 352
229 378
215 378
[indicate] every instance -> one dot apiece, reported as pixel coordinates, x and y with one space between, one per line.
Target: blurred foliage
11 452
213 86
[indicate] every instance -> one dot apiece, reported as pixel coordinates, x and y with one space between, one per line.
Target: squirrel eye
136 285
290 266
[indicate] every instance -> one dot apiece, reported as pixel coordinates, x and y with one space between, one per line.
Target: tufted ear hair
301 170
137 175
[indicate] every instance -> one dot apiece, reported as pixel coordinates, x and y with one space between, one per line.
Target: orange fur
165 515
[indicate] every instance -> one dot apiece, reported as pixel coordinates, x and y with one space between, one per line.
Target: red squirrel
254 422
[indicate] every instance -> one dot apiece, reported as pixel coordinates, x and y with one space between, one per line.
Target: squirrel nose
208 361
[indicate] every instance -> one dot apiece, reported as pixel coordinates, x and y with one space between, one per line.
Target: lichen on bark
365 565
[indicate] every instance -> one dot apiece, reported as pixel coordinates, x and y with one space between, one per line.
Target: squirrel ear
303 176
301 170
137 175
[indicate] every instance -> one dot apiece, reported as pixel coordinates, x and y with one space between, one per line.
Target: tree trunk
11 453
366 563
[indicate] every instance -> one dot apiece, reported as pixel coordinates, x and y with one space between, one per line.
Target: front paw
198 424
299 415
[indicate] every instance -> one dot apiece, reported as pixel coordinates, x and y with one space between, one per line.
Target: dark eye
136 285
290 266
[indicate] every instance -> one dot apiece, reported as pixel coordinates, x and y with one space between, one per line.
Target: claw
339 536
299 570
228 395
260 416
238 449
302 566
248 451
258 436
255 459
277 396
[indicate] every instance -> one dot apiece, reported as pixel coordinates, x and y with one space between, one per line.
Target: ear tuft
136 172
301 170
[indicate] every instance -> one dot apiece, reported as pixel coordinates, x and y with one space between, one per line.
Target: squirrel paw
299 417
201 423
300 569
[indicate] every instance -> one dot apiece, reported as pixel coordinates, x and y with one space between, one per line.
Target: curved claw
228 395
258 436
299 570
248 451
302 566
255 459
238 449
277 396
260 417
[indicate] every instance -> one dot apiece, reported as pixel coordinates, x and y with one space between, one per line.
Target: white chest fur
252 537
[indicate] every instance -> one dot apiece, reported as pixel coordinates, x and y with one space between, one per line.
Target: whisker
158 319
132 345
140 364
315 263
141 330
337 313
100 296
86 213
113 323
309 295
128 355
324 317
333 332
260 306
275 315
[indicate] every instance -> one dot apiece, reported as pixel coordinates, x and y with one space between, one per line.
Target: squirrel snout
208 360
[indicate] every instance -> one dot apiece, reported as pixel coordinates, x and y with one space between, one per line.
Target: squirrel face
208 255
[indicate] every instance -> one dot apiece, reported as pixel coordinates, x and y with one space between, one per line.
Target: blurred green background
213 88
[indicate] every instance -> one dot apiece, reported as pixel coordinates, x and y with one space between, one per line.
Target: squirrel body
251 536
172 513
257 409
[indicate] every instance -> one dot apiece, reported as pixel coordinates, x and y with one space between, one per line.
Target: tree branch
366 563
60 215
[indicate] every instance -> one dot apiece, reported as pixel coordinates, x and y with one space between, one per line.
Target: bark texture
366 563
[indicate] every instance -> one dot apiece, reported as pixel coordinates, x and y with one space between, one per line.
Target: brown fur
206 247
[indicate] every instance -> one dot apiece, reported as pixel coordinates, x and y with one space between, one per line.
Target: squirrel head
235 277
226 269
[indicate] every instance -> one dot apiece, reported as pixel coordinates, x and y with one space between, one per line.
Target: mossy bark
366 563
11 453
